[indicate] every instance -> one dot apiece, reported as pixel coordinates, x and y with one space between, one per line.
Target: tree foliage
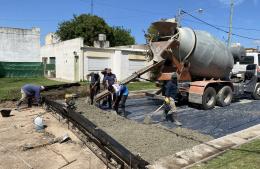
121 36
152 33
89 26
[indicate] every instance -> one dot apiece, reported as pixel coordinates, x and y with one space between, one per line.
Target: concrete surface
149 141
18 130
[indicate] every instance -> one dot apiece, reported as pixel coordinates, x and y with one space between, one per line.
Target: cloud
237 2
256 42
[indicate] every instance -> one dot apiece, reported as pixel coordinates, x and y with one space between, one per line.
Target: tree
121 36
152 33
86 26
89 26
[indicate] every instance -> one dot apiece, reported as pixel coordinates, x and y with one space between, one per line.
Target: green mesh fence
21 69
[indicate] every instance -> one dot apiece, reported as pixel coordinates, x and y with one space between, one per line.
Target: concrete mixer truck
204 65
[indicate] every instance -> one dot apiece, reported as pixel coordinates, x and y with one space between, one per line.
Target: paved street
217 122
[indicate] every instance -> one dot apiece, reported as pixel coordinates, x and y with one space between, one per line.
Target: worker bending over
121 94
171 93
29 92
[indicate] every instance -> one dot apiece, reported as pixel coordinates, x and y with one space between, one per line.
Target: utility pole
230 21
92 7
182 12
178 17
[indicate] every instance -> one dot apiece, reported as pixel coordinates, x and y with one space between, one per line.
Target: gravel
150 141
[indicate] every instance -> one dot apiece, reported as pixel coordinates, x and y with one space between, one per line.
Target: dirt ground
8 104
150 141
18 131
82 91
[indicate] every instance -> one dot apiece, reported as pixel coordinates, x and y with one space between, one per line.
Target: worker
110 79
94 86
171 93
29 92
104 73
121 93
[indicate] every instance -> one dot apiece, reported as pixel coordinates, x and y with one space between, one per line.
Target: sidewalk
18 131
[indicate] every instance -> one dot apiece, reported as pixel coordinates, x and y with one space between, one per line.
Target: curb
206 151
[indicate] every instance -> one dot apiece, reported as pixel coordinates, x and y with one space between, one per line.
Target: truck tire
256 93
224 96
209 98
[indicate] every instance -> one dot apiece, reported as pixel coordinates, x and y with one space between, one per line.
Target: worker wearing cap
110 79
121 93
171 93
29 92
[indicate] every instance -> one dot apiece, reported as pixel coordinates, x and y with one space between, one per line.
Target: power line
150 13
233 27
220 29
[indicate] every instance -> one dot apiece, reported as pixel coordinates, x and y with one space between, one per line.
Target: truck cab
245 75
249 62
256 61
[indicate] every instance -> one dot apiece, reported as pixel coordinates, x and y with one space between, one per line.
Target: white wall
64 54
116 59
19 45
122 62
132 65
118 65
97 59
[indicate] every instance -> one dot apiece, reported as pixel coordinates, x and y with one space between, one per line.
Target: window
52 60
247 60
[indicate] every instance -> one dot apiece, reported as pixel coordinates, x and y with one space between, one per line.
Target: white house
74 60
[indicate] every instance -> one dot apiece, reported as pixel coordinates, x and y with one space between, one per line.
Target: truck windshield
247 60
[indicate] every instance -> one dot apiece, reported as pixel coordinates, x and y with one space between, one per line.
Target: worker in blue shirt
121 93
171 94
29 92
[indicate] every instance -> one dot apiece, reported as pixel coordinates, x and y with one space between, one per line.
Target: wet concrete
217 122
149 141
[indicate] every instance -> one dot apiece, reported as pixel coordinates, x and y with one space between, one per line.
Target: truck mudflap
195 98
196 93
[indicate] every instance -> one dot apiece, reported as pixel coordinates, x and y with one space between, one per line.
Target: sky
137 15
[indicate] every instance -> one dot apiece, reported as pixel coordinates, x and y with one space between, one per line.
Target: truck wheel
209 98
224 96
256 93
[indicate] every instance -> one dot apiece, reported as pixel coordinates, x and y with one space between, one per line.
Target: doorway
76 68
